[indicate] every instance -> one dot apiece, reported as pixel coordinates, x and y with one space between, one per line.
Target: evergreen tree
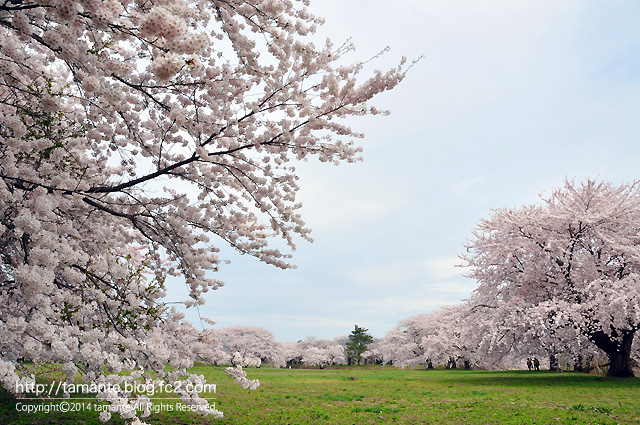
359 339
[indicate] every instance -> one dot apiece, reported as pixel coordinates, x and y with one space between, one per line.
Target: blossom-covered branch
135 138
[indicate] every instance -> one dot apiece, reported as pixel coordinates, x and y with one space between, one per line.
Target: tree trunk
620 365
451 363
553 363
618 350
577 364
587 365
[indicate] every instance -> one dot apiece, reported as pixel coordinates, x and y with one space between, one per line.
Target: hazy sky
511 98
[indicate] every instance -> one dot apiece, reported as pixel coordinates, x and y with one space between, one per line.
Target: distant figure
536 363
529 364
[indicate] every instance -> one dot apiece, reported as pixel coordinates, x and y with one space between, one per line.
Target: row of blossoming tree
136 136
257 345
557 279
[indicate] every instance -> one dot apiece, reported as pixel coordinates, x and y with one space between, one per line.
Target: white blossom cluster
316 352
249 345
241 377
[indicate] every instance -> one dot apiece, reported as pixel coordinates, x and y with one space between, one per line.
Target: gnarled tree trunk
618 349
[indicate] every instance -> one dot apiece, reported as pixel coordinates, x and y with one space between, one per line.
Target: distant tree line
559 282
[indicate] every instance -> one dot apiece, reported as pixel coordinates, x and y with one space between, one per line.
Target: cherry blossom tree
446 336
569 265
251 344
503 335
135 138
399 347
436 338
324 356
315 352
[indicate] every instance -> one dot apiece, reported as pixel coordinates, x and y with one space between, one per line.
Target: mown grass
377 395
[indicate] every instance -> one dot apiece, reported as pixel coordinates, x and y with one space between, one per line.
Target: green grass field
380 395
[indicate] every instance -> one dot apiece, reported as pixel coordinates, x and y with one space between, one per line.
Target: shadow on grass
525 378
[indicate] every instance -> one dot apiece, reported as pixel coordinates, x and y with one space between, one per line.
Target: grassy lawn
377 395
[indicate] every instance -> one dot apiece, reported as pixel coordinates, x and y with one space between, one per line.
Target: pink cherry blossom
137 137
562 273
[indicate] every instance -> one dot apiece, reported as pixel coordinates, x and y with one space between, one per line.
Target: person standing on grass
529 364
536 363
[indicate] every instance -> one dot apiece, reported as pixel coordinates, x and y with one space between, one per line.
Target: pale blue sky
510 98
